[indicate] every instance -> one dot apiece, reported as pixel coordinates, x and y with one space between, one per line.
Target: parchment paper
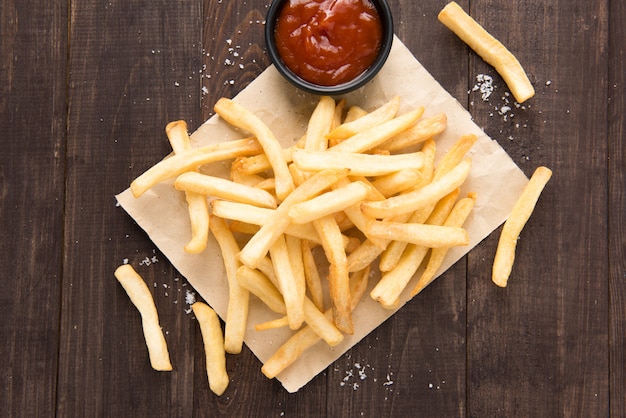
162 211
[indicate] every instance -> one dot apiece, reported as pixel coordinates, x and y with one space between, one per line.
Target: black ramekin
387 39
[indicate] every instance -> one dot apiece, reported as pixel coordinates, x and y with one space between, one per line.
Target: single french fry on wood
489 48
213 340
524 207
141 297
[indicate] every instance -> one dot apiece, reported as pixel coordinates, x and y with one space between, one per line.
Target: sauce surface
328 42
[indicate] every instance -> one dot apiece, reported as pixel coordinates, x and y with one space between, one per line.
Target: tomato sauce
328 42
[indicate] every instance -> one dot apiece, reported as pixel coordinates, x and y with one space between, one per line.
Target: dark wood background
86 88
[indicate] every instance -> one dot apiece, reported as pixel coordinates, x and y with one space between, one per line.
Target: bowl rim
384 12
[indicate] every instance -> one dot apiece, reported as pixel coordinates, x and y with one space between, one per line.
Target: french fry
281 322
213 340
294 252
328 203
358 164
175 165
359 121
260 285
225 189
457 217
237 311
141 297
338 279
288 287
338 115
522 210
320 124
433 236
312 275
424 196
260 243
454 155
241 117
489 48
418 133
378 134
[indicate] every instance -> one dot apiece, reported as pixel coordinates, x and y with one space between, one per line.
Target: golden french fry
281 322
378 134
328 203
366 121
312 275
454 155
433 236
356 112
294 251
199 219
393 282
457 217
338 278
175 165
286 284
424 196
141 297
524 207
213 340
338 115
259 284
489 48
225 189
320 124
237 311
418 133
237 115
261 242
358 164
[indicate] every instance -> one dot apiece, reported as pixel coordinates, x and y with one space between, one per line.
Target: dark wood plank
617 208
539 347
33 39
134 66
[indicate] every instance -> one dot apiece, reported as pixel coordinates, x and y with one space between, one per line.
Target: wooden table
86 88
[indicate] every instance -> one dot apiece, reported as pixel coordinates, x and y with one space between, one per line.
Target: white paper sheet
162 211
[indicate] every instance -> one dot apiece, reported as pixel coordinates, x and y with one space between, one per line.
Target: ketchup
328 42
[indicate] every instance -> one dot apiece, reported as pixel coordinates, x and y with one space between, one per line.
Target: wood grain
86 89
617 202
32 161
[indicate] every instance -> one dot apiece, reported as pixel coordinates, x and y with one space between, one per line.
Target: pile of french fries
361 186
360 189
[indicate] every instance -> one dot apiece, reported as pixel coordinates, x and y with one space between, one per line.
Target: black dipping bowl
387 39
